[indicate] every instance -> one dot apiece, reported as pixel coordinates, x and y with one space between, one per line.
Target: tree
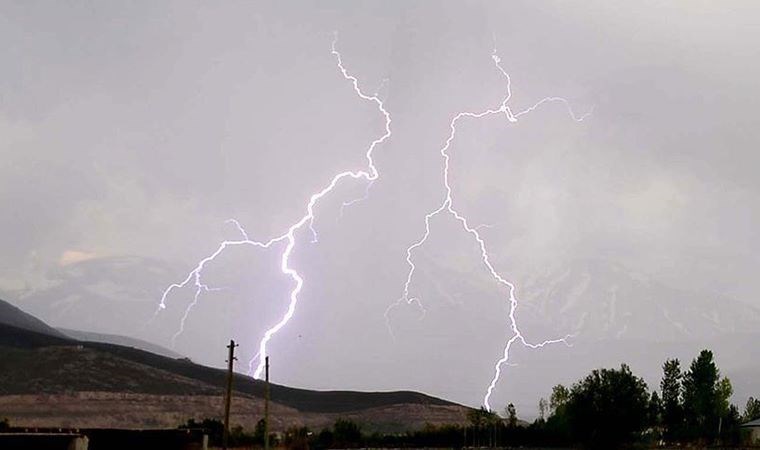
723 392
478 418
346 433
752 409
557 424
4 425
481 419
558 399
672 407
705 397
730 430
258 432
214 428
542 407
654 410
324 439
511 416
608 408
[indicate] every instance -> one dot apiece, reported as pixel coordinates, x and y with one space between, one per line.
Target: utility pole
266 403
228 394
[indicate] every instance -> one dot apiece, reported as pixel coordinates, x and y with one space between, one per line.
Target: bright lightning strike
289 236
447 207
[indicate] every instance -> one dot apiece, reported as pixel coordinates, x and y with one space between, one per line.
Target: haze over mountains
620 316
598 299
125 341
615 315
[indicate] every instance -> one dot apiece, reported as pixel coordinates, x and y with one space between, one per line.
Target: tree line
607 409
613 407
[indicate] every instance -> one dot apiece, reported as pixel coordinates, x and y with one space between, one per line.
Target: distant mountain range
52 377
124 341
614 314
619 316
599 299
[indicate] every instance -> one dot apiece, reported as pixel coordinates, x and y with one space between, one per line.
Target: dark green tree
730 431
723 391
347 433
705 397
4 425
324 439
608 408
481 421
477 417
259 430
511 416
654 412
751 410
542 408
557 424
560 396
481 417
672 406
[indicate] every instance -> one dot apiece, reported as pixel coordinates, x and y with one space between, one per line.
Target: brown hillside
57 382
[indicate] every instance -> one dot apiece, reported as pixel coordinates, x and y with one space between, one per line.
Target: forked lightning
370 175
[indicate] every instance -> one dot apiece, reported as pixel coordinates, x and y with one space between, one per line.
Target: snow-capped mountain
597 299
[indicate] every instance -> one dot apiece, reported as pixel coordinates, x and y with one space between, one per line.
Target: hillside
49 380
125 341
15 317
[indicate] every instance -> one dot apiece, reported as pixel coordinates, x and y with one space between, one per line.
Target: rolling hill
15 317
49 379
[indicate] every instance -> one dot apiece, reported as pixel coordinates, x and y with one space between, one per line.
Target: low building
43 441
102 439
753 428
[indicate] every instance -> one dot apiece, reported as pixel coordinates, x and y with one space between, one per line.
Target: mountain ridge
15 316
38 363
118 339
602 299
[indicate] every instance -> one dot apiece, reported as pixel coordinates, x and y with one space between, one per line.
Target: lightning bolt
370 175
447 207
289 236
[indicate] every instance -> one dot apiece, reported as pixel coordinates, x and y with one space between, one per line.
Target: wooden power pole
266 403
228 394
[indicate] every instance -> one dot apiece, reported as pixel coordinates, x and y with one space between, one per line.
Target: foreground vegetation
609 408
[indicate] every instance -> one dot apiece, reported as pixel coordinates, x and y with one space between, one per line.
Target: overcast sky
130 131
